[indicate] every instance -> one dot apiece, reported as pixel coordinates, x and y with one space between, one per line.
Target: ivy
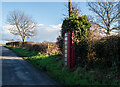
79 25
76 23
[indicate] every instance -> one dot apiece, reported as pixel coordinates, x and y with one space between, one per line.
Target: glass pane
65 34
65 42
65 55
65 63
65 59
65 38
65 47
66 51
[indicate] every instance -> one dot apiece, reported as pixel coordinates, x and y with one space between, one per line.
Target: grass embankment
52 65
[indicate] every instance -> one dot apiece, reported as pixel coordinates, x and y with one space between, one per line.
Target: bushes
39 47
98 54
101 56
53 49
102 53
60 43
107 49
81 51
45 47
14 44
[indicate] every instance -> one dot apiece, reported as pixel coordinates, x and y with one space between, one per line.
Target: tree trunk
108 33
108 30
23 40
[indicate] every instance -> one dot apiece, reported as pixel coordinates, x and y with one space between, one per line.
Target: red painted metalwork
63 48
72 51
69 50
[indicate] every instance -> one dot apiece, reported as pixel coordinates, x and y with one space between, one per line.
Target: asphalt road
18 72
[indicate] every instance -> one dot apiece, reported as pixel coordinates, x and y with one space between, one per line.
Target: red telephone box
68 51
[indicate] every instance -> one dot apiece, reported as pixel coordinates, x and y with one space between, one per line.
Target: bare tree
95 34
23 25
107 15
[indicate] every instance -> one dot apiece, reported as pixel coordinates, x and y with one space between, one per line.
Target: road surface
16 71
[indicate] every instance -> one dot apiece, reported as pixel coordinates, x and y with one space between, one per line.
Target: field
2 44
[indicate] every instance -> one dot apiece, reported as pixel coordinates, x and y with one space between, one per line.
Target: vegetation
107 50
95 73
45 47
97 60
60 43
100 56
79 25
107 15
23 25
22 52
2 44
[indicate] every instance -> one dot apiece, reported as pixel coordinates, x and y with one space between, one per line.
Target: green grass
22 52
52 65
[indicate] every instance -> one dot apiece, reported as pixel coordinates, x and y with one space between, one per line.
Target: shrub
107 49
53 49
45 47
60 43
81 51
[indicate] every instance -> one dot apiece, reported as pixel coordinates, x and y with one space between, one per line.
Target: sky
47 15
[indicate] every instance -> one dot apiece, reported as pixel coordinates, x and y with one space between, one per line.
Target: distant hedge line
45 47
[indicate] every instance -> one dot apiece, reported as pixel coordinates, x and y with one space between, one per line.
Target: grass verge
52 65
22 52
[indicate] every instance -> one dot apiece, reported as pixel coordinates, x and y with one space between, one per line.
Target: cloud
5 34
44 33
3 42
40 25
47 33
